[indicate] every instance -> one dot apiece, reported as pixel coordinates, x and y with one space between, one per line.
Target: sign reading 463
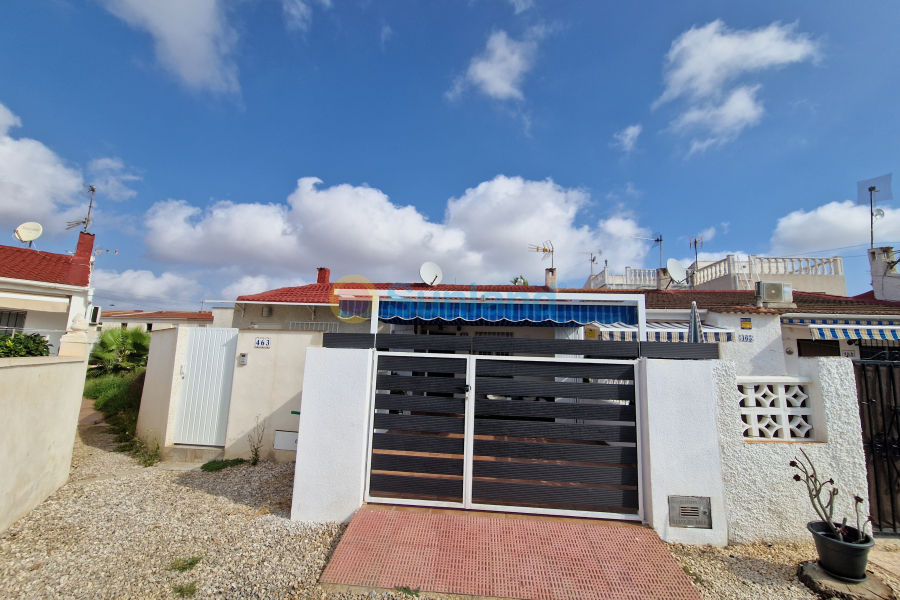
263 342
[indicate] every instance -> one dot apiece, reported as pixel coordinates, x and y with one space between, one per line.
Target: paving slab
813 577
495 557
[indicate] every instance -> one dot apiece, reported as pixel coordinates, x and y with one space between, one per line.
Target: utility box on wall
690 511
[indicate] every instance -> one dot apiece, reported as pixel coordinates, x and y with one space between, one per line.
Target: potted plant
843 550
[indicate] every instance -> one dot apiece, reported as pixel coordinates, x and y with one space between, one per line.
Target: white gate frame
469 439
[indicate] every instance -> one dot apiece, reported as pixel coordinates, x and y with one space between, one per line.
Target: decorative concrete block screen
776 411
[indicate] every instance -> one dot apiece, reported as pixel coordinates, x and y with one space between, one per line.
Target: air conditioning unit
770 291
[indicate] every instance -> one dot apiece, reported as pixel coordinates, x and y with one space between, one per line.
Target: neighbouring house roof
162 315
320 293
33 265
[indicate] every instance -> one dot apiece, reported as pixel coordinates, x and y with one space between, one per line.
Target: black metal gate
878 391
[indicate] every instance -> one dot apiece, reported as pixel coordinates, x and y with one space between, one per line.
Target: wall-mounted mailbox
242 358
690 511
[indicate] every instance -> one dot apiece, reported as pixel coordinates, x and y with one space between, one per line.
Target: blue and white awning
854 333
857 322
660 331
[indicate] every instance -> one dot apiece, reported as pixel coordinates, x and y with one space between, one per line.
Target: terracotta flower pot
843 560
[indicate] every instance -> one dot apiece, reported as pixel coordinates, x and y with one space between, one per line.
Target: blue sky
454 131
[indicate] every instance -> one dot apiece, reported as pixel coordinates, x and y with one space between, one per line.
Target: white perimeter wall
763 502
40 398
162 384
332 444
680 446
762 356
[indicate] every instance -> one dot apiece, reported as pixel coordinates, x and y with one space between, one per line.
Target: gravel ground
117 538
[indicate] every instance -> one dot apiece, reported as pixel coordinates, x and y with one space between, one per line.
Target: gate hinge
466 388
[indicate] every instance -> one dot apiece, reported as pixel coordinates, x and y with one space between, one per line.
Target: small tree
118 351
518 280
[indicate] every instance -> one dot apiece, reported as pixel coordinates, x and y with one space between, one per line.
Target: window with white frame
776 411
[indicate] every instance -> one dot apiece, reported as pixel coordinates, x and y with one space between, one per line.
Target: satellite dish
878 214
676 270
28 232
430 273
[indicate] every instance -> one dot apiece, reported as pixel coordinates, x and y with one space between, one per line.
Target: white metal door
202 416
557 436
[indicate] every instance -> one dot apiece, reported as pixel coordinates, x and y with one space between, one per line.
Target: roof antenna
87 189
695 243
594 256
657 240
546 248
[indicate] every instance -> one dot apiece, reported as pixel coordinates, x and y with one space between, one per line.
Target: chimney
550 278
323 275
80 265
663 279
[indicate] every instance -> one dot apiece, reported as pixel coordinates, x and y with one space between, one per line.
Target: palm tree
518 280
119 351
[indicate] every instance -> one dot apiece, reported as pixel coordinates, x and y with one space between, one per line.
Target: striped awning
852 322
854 333
660 331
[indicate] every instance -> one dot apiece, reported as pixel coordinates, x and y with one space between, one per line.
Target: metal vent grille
690 511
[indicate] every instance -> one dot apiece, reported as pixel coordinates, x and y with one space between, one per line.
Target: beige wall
162 384
269 385
40 398
282 315
834 285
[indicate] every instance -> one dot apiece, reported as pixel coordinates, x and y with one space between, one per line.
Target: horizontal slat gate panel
417 464
420 403
452 385
445 343
545 472
424 365
568 452
558 410
498 491
348 340
553 389
557 431
417 423
424 486
555 369
679 350
418 443
624 350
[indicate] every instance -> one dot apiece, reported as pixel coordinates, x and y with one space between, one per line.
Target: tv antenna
696 243
430 273
28 232
594 256
676 271
657 240
546 248
877 185
87 189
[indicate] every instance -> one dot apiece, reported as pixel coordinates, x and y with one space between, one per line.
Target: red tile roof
725 301
32 265
138 315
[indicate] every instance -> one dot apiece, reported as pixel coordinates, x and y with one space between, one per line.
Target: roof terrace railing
755 266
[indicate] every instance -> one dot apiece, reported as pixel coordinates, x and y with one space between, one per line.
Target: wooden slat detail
620 350
417 423
445 343
567 452
545 472
551 389
554 369
424 486
418 443
424 365
497 492
404 383
417 464
557 431
420 403
559 410
680 350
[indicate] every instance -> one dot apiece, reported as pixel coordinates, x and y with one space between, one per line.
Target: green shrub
23 344
118 397
185 590
94 388
118 351
218 465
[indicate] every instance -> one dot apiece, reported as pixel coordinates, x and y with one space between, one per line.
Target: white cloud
626 139
35 183
704 61
141 288
254 284
110 177
520 6
832 225
298 13
484 235
386 34
193 40
499 70
708 234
